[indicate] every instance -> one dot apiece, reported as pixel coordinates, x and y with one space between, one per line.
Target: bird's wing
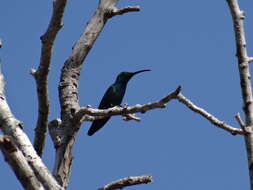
108 99
96 125
105 103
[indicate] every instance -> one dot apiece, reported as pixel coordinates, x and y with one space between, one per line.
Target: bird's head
124 77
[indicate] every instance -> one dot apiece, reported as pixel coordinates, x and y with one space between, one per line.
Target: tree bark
19 165
243 66
12 127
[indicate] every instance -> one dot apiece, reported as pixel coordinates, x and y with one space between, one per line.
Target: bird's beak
134 73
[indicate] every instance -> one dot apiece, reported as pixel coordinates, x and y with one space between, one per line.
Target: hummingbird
113 97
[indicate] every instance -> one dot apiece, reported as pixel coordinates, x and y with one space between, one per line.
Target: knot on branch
53 127
8 143
33 72
242 15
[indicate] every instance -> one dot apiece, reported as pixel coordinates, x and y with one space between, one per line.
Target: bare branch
241 123
243 59
116 11
19 164
84 111
129 116
128 181
11 127
209 116
238 17
41 75
250 59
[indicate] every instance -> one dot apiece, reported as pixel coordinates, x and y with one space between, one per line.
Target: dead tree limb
238 17
12 127
41 75
128 181
214 120
19 164
241 122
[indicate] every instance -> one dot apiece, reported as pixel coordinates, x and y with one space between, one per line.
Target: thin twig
117 110
250 59
128 117
116 11
241 123
209 116
128 181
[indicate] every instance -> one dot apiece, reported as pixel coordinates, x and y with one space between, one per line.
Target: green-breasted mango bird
113 97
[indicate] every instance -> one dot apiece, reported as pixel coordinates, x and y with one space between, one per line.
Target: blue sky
188 43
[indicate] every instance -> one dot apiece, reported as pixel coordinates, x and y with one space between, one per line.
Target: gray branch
128 117
238 17
19 164
128 181
241 123
12 127
41 75
116 11
209 116
250 59
88 111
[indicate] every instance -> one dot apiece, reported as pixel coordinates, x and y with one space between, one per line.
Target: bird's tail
96 125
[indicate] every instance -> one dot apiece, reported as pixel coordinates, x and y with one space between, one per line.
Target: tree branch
129 116
250 59
116 11
88 111
238 17
12 127
53 131
128 181
241 123
41 75
19 165
90 114
209 116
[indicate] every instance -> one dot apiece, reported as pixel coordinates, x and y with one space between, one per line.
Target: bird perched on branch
113 97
